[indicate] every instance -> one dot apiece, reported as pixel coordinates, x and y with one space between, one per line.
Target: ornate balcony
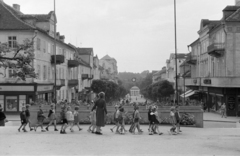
191 59
84 76
216 49
73 63
59 59
72 83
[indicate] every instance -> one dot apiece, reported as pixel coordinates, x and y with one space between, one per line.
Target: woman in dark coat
2 118
101 111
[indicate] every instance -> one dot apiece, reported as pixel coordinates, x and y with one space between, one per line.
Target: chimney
16 7
62 38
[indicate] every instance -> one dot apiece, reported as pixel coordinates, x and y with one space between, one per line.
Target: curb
220 121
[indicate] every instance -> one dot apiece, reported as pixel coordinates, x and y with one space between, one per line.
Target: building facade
215 61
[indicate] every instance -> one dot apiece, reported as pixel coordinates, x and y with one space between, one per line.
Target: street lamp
175 30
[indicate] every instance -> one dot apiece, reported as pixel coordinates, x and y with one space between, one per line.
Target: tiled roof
85 51
231 8
38 17
9 19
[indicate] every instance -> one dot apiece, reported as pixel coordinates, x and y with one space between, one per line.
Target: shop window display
2 101
11 103
22 101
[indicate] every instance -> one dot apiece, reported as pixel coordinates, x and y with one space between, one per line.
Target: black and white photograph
120 77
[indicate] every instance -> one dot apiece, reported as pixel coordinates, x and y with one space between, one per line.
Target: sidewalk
214 117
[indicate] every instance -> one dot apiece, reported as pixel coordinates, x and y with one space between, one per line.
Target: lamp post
175 30
55 61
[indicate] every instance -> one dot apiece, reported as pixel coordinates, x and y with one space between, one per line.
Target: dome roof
134 88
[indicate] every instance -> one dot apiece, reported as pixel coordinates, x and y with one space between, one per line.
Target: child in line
70 118
40 118
121 121
64 120
136 120
23 120
178 119
132 129
115 118
52 117
172 121
154 120
76 118
28 117
93 121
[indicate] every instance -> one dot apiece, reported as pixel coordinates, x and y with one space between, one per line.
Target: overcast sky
139 34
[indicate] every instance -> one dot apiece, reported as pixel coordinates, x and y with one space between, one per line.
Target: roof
38 17
160 72
231 8
197 40
134 88
9 19
106 57
85 51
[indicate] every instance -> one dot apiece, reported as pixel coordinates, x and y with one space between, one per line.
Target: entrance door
46 97
231 105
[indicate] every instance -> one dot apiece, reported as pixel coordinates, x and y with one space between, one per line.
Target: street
193 141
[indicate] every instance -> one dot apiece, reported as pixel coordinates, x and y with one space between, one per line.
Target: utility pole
175 30
55 60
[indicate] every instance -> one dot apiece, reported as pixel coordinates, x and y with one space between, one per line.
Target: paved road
193 141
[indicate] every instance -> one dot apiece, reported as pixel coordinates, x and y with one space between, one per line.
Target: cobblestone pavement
193 141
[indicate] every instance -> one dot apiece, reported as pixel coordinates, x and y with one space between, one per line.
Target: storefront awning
189 91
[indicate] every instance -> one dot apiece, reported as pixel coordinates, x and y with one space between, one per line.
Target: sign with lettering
44 88
195 81
207 81
231 102
14 88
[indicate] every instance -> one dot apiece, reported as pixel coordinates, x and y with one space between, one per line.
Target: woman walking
223 110
101 111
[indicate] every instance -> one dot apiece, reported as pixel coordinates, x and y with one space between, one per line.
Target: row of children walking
68 117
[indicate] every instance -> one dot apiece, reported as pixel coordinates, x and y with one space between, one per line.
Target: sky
139 34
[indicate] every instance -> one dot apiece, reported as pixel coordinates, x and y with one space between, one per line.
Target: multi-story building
160 75
16 27
108 68
215 61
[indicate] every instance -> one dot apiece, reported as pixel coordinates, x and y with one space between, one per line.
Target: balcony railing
216 49
72 83
84 76
59 59
73 63
191 59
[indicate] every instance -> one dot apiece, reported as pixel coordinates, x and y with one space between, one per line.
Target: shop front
14 96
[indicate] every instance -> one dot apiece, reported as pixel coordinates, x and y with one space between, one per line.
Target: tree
20 59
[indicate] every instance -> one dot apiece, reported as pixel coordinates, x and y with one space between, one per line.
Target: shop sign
16 88
44 88
207 81
231 101
195 81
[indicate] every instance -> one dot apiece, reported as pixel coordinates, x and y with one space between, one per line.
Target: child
76 118
136 120
23 120
40 118
115 118
172 121
28 117
154 120
70 118
121 121
178 119
64 120
92 120
52 117
131 129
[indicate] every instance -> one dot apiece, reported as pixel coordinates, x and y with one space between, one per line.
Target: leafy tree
20 59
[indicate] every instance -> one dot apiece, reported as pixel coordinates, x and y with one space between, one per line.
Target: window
52 49
11 73
49 76
63 74
44 46
12 41
38 44
39 71
44 72
60 71
11 103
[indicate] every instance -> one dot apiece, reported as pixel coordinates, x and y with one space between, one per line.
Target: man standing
178 119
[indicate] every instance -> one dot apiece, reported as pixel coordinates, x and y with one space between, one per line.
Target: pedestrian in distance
172 121
178 119
70 118
223 110
28 117
92 118
76 118
52 117
23 120
40 119
3 119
